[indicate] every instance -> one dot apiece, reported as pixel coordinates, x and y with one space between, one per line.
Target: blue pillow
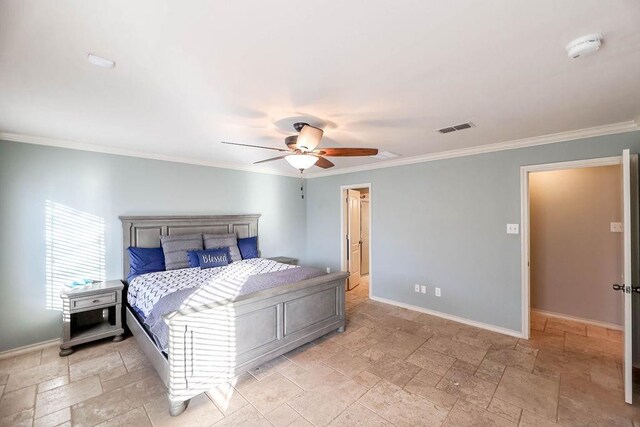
211 258
145 260
248 247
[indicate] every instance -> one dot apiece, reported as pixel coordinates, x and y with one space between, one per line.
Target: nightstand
90 313
284 260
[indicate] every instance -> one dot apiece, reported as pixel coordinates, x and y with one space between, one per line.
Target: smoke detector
584 46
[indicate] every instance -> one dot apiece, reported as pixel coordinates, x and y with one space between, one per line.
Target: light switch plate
513 228
438 292
417 287
616 227
423 289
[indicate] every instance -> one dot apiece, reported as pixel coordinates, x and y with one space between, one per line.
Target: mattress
146 290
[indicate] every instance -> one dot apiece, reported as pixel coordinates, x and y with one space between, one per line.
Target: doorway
625 273
356 235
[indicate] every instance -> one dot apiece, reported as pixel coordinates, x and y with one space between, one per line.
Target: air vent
454 128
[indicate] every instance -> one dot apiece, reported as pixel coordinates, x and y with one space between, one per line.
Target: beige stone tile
398 324
271 392
529 419
401 407
134 358
52 355
594 331
490 371
136 417
247 416
467 414
321 406
399 344
270 367
467 367
404 313
34 375
282 416
527 349
53 419
318 376
615 335
349 363
457 349
307 355
514 358
20 419
505 410
21 362
366 379
361 337
394 370
551 364
359 416
431 360
582 402
301 422
226 398
93 350
4 378
116 402
17 401
530 392
129 378
1 390
537 321
66 395
543 340
423 384
566 325
200 412
53 383
592 346
466 386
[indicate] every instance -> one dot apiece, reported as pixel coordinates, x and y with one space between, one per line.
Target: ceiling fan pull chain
301 183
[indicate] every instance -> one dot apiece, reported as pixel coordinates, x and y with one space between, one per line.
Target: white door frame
343 229
524 219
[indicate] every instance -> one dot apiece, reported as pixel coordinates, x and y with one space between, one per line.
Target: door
353 237
630 270
364 236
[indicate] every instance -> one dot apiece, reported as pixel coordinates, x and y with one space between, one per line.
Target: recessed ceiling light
100 61
385 155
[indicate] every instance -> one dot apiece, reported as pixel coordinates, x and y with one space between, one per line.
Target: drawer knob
95 301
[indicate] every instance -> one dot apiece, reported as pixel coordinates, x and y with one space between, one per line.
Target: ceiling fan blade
270 160
324 163
255 146
347 152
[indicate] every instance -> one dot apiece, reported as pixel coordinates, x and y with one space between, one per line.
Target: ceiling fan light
309 138
301 161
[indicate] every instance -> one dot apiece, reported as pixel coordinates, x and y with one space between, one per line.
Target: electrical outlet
513 228
328 270
438 292
423 289
416 287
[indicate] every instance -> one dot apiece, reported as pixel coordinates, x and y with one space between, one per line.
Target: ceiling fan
303 152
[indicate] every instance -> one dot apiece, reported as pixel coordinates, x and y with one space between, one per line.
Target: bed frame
211 344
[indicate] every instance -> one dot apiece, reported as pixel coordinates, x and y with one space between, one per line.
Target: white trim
525 220
579 319
343 265
458 319
609 129
28 348
488 148
37 140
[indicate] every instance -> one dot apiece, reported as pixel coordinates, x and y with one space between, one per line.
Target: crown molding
553 138
38 140
610 129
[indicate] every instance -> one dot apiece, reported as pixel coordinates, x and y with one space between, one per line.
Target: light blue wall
443 224
109 186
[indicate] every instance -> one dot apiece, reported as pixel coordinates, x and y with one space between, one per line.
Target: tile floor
391 367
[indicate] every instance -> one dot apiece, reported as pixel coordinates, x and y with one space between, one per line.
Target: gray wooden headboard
145 231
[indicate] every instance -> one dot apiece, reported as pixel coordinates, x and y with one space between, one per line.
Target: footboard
214 343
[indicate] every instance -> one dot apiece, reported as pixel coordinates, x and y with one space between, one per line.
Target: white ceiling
383 74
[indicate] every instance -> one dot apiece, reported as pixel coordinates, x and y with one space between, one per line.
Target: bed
211 343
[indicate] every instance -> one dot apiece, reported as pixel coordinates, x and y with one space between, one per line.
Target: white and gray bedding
155 294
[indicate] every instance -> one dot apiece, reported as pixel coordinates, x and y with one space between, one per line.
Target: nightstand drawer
93 301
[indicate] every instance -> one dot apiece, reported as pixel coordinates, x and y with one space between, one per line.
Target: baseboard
579 319
28 348
458 319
